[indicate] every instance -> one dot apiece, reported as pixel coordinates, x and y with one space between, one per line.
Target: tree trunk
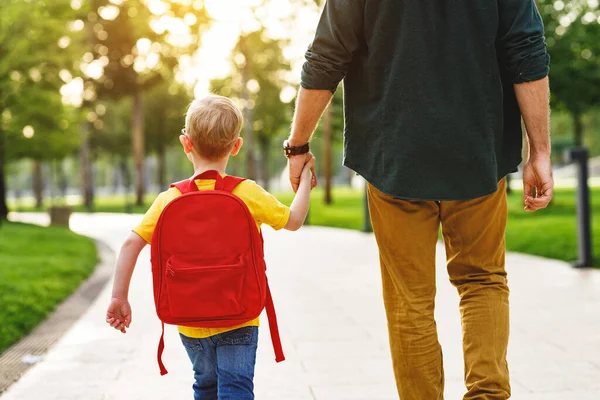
38 183
265 147
137 140
162 171
578 124
248 133
87 183
161 155
3 205
327 163
126 180
63 182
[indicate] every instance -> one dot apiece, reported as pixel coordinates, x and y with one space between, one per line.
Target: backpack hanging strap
272 317
161 347
227 183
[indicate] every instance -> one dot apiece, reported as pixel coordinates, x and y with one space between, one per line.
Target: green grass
550 233
345 212
39 267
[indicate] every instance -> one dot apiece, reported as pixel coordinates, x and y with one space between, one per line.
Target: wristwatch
290 151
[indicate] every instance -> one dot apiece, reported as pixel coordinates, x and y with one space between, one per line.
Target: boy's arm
299 207
119 311
125 264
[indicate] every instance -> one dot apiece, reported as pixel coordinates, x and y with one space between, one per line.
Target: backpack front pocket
205 288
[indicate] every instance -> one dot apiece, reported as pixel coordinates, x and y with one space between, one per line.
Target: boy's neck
201 165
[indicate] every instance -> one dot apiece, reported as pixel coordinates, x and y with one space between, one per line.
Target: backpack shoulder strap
227 184
185 186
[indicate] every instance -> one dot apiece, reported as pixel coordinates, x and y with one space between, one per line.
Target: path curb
47 333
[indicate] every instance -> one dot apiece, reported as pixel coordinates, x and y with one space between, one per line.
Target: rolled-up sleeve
521 44
339 36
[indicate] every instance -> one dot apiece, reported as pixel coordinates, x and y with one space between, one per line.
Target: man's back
430 109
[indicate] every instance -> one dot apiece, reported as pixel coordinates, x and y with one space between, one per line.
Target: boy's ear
237 146
186 143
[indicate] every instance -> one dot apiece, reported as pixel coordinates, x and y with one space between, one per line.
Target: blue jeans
224 364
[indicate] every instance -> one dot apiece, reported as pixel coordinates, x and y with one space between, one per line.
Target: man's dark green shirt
430 108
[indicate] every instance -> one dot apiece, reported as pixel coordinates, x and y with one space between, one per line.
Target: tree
30 67
164 118
332 128
113 135
137 45
258 83
573 37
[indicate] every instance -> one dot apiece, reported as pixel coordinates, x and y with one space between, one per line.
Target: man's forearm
533 98
309 108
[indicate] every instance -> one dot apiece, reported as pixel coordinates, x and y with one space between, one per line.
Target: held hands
296 167
118 314
537 174
308 173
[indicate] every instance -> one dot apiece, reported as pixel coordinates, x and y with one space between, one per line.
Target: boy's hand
118 314
296 166
307 171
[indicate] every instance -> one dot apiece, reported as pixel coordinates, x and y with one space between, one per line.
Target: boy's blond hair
213 123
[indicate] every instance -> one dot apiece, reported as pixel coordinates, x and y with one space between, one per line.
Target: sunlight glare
288 94
152 60
144 45
28 131
76 25
94 70
139 65
282 19
64 42
65 75
190 19
158 7
109 13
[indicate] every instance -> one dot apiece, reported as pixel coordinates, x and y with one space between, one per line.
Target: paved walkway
327 295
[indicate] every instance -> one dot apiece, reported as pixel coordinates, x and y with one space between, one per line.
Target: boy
223 359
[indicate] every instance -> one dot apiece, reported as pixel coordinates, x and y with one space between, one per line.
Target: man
434 94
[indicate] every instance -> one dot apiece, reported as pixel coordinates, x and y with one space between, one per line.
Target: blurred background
93 95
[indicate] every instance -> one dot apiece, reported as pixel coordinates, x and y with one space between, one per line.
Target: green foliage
573 37
33 282
114 136
257 83
137 49
164 111
29 79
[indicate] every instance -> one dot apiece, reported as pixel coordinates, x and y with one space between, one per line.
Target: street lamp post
579 155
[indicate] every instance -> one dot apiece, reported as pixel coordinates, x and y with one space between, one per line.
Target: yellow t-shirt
263 206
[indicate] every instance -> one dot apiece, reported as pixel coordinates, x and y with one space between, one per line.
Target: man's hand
296 165
537 174
119 314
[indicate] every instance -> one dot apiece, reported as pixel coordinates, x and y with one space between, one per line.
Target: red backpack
208 263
